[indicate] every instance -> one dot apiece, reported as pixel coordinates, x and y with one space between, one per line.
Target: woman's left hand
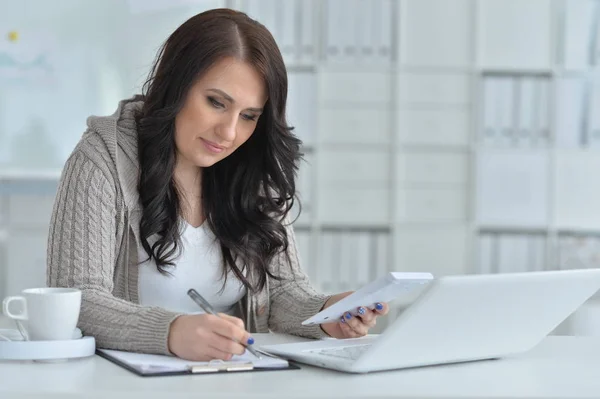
351 326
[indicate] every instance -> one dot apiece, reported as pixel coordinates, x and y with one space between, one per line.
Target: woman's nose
227 129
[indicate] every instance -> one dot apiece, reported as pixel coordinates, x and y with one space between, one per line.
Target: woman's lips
212 147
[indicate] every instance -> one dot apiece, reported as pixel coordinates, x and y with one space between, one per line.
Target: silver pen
203 303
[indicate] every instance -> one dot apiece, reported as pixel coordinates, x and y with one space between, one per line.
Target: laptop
459 319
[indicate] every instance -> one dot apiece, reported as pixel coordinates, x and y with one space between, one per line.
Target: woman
189 186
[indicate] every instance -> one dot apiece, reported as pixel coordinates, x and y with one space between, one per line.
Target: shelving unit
389 154
427 175
536 200
341 102
549 183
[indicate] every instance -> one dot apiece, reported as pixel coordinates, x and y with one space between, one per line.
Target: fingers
204 337
367 316
235 320
359 325
225 346
230 329
213 353
347 330
355 324
382 308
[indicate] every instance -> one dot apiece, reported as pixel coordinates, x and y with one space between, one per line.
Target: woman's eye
249 117
215 103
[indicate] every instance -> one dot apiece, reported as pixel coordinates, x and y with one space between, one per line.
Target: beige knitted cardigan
93 245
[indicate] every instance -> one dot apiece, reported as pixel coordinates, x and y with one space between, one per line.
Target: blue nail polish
348 315
378 306
342 319
361 310
250 341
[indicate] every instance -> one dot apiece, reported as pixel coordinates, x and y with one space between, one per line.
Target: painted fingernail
361 310
342 319
348 315
378 306
250 341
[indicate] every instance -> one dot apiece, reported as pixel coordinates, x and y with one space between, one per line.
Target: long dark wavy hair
246 196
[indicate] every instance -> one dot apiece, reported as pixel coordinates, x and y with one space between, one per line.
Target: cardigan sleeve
83 248
293 299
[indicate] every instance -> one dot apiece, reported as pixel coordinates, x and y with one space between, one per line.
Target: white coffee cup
50 313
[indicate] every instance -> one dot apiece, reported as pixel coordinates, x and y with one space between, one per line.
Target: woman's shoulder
111 138
92 148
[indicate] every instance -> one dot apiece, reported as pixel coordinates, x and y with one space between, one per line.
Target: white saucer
18 349
15 335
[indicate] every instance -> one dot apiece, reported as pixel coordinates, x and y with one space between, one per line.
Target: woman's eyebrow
231 100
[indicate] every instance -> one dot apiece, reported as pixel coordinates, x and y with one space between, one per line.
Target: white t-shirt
198 266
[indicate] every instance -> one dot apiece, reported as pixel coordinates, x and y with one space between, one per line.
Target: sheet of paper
157 363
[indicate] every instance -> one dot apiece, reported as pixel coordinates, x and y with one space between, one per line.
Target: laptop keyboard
344 352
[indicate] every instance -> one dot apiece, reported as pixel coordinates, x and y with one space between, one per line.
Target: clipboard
157 369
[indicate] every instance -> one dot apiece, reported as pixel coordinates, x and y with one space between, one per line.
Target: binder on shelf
581 34
302 104
486 254
348 21
506 109
287 25
383 23
365 32
577 27
594 35
306 12
327 259
515 103
513 253
525 114
499 112
333 40
303 241
578 251
363 263
566 257
292 24
341 43
267 14
542 113
591 112
304 182
252 8
510 252
346 265
593 48
570 123
490 111
382 263
537 253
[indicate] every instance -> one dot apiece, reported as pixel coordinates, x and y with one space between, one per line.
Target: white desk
559 367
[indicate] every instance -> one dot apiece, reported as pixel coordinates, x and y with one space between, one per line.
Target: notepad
149 364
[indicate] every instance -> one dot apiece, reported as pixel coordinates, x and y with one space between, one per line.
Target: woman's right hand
205 337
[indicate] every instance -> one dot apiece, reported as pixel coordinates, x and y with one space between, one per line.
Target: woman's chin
206 161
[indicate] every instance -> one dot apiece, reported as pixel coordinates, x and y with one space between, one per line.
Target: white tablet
384 289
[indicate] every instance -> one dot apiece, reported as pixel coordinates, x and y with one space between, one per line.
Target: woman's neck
188 178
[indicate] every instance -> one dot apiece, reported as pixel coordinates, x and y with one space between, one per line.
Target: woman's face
220 113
